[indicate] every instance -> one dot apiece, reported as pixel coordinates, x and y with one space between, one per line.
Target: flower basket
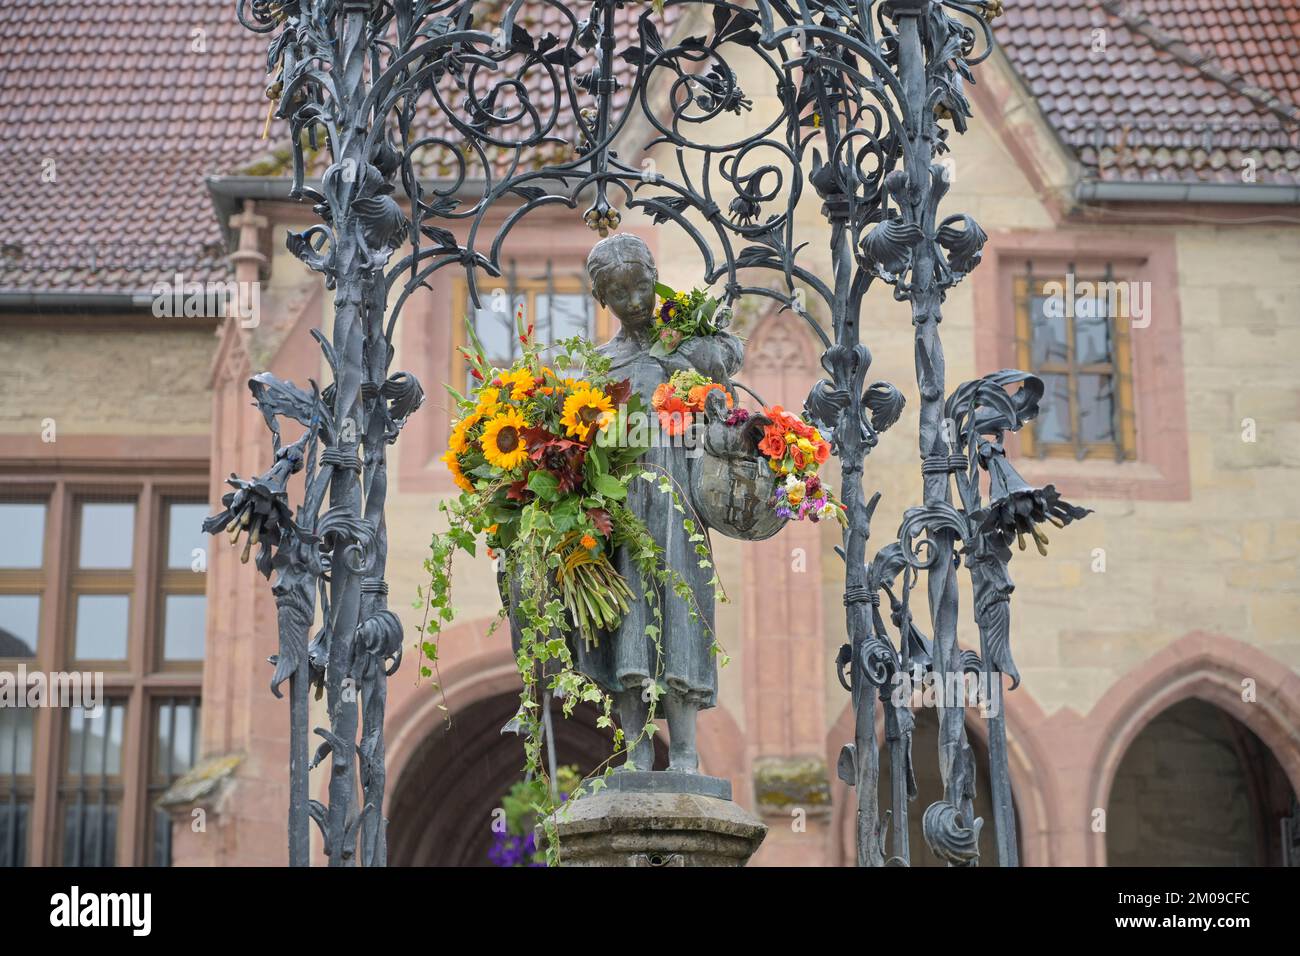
731 483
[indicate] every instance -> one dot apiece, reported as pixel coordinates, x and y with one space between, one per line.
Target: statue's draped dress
625 659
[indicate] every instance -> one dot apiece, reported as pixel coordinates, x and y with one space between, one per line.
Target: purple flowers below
511 850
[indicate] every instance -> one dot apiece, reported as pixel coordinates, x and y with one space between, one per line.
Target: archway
440 812
1243 682
1196 787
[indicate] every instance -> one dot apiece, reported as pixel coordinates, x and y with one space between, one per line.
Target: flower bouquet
685 315
543 459
795 450
678 400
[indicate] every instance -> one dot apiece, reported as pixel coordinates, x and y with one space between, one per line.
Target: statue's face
629 291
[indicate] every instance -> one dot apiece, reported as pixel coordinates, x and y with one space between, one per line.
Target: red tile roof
113 112
1165 90
128 106
125 105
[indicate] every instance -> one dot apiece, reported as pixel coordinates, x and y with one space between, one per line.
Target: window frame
144 675
171 581
548 283
1026 286
112 790
1162 471
24 581
18 789
156 785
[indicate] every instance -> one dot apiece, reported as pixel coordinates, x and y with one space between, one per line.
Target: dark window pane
1047 330
174 738
15 742
185 533
89 832
1092 335
22 534
184 617
95 740
102 624
13 832
20 618
1053 423
162 838
1096 408
107 533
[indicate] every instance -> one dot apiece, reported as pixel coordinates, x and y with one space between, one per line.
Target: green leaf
597 460
609 486
543 484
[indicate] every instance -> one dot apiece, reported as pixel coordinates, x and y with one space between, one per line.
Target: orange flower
773 443
664 392
796 455
696 396
823 452
674 416
801 428
588 542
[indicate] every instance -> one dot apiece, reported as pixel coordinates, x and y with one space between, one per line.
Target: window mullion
1073 388
48 725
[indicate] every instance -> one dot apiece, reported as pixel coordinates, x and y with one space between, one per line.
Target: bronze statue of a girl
623 277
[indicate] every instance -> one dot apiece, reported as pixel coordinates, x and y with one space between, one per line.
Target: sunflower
586 409
458 443
520 382
458 476
503 445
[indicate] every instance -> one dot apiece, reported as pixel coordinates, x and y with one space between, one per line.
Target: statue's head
623 275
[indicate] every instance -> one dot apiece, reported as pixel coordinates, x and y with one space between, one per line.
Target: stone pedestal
659 818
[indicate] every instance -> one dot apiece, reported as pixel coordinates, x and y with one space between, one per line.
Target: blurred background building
1153 145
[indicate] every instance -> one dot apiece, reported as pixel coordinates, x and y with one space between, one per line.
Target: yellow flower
489 401
585 409
458 443
795 493
520 381
458 476
805 446
503 445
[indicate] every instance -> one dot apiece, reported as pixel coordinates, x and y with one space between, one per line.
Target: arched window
1197 788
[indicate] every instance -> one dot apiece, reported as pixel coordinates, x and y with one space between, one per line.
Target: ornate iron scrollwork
482 121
